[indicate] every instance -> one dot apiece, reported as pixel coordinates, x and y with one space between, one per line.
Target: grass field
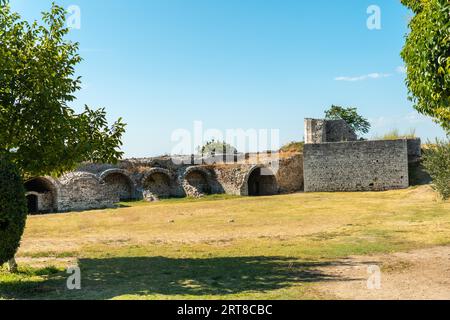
220 247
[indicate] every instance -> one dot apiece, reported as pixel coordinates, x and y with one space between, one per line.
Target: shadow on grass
143 276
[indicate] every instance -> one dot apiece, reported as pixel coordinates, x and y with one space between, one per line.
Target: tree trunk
12 264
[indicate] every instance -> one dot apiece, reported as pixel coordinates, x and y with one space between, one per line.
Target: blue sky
163 64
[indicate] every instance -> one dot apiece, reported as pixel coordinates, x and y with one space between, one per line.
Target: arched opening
262 182
198 183
120 184
41 195
32 203
157 185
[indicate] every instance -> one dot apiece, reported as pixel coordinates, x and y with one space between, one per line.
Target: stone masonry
332 160
356 166
320 131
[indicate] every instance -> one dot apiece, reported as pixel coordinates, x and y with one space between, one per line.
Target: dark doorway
262 183
32 202
46 190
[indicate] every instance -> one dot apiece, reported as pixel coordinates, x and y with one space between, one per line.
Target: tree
427 57
216 147
40 134
351 116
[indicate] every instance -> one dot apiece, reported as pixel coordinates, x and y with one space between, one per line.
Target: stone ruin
333 160
97 186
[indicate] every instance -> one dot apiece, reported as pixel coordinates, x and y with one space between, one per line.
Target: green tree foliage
216 147
427 57
13 210
436 160
351 116
40 134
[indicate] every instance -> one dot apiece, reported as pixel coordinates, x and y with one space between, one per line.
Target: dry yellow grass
300 229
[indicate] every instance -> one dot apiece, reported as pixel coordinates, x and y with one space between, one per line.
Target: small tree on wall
40 134
216 147
358 123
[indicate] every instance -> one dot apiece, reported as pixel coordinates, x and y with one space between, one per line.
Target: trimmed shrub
437 164
13 210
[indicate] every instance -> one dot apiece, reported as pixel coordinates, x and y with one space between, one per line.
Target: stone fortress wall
333 160
356 166
321 131
97 186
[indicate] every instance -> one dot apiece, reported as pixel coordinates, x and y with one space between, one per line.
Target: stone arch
259 181
42 195
196 182
157 183
119 182
84 191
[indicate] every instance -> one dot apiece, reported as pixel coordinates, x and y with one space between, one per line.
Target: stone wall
339 131
232 177
320 131
356 166
84 191
337 166
290 174
46 202
156 178
119 185
40 202
414 150
198 184
315 131
157 185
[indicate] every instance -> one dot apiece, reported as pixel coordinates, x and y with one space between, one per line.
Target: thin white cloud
369 76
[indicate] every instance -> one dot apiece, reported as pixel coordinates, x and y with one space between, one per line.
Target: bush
293 147
437 164
214 147
13 210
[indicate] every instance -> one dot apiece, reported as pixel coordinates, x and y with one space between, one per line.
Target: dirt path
415 275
